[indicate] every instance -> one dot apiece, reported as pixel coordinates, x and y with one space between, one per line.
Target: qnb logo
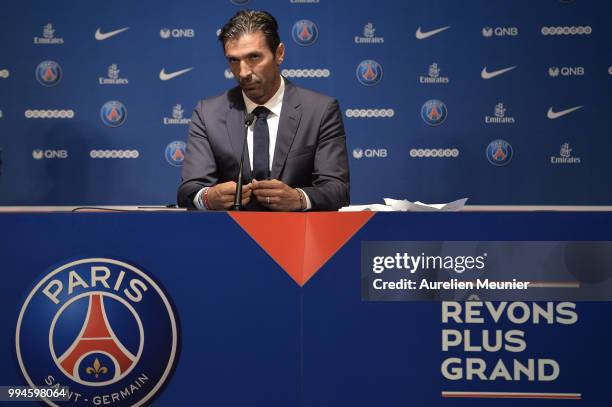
166 33
48 73
49 114
555 71
434 152
359 153
369 72
114 154
4 73
489 32
40 154
113 113
306 73
565 30
303 1
369 113
102 327
228 74
304 32
610 70
175 153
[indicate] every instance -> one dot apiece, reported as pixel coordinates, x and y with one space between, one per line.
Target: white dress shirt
274 105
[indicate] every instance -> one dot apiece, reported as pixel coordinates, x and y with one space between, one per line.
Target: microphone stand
248 120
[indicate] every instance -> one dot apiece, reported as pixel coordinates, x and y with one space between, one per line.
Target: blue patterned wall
504 102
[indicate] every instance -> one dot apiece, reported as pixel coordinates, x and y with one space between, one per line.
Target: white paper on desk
372 207
405 205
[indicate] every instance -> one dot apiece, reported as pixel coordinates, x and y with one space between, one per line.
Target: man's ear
280 54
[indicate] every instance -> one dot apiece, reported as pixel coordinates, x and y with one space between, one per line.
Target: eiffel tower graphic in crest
96 336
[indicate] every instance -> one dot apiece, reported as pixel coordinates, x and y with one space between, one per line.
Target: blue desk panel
249 335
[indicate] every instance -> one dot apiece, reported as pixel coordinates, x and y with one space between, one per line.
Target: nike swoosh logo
422 35
167 76
488 75
555 115
100 36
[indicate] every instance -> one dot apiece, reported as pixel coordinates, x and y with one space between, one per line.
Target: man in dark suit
297 157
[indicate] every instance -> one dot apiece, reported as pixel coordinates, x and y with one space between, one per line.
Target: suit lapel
291 113
235 130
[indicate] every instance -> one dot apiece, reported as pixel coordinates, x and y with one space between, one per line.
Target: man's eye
254 57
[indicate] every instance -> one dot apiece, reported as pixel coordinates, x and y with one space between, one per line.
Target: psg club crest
175 153
101 327
304 32
48 73
369 72
113 113
434 112
499 152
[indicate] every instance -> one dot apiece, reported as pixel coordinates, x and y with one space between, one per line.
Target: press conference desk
467 208
252 333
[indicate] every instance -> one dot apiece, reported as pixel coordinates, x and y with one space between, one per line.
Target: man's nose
245 70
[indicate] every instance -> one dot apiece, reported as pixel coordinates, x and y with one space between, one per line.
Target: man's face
255 67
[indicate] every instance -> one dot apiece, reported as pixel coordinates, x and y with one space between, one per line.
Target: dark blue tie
261 144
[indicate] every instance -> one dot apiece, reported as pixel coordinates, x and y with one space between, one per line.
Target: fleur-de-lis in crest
96 369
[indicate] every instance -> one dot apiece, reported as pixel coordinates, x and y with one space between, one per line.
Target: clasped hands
272 194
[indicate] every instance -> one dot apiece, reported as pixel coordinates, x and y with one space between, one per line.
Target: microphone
249 118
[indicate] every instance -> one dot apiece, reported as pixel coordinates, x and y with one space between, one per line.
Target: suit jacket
310 151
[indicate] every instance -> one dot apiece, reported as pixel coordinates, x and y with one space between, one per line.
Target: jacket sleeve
199 166
330 186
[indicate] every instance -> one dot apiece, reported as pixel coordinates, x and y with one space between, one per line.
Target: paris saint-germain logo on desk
304 32
103 328
113 113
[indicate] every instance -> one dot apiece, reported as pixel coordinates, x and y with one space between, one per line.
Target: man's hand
276 195
221 196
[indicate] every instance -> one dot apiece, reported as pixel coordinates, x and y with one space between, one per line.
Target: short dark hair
248 22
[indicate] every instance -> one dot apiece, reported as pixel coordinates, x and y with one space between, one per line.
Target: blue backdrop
504 102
